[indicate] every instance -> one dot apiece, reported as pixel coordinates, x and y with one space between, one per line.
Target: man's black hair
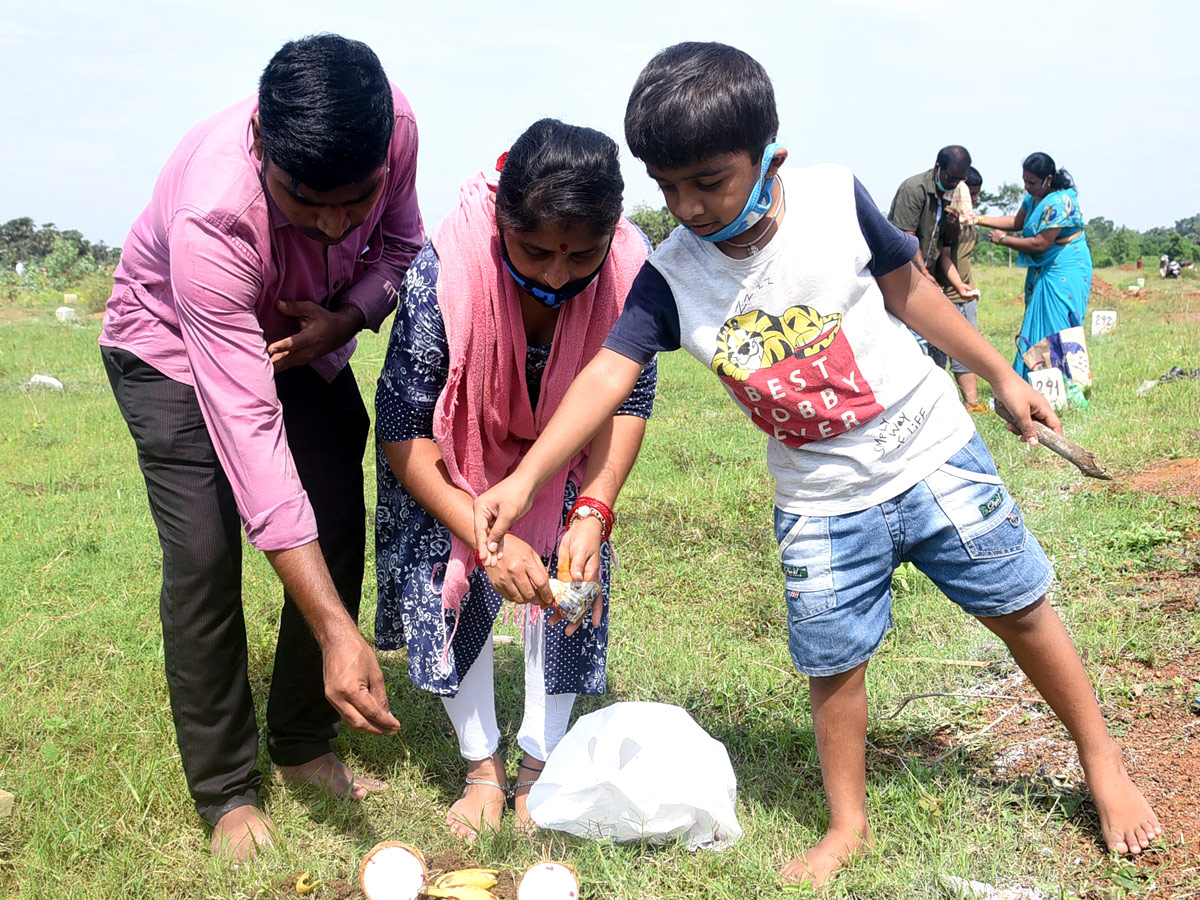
1042 165
325 111
559 174
697 100
954 157
973 179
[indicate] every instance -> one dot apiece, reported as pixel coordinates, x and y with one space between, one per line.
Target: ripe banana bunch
463 884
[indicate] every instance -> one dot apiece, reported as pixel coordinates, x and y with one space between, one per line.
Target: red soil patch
1177 478
1160 735
1102 289
1127 267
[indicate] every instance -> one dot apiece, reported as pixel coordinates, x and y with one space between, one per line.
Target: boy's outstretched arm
923 308
592 400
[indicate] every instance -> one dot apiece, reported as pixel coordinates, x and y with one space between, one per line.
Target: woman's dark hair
560 174
697 100
325 111
1042 165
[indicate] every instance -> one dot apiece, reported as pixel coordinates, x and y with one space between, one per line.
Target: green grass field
88 749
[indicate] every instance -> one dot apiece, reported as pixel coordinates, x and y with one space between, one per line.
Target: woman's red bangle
598 507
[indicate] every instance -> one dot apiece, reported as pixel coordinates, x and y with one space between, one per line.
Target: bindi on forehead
562 248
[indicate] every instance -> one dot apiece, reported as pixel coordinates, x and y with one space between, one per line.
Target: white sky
95 96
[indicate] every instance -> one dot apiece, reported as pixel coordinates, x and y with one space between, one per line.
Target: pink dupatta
483 422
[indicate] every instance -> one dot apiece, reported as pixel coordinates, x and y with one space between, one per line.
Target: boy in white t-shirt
798 294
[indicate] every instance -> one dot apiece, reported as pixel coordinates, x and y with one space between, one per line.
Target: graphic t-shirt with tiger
799 336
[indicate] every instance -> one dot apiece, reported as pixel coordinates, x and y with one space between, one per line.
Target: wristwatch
586 510
583 510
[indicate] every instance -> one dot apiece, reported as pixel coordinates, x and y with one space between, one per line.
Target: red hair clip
501 160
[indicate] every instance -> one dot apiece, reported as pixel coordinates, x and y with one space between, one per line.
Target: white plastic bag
639 771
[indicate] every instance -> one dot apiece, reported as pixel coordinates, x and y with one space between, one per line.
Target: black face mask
549 297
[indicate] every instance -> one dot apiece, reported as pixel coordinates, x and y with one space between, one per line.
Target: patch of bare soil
1102 289
1160 733
1178 478
505 889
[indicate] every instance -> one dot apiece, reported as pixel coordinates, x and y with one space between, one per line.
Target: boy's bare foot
816 865
241 833
331 774
483 800
528 772
1127 822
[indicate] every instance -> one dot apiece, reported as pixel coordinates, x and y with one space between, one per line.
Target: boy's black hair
954 156
325 111
973 179
1042 165
697 100
560 174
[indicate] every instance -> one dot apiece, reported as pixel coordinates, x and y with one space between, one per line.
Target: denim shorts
959 526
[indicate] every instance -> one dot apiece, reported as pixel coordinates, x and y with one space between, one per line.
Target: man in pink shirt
277 229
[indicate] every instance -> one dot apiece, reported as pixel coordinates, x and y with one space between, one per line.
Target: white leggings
473 710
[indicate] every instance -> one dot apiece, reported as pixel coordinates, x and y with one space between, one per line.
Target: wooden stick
1084 460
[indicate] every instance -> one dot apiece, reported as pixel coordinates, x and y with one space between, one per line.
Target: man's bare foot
816 865
1127 822
528 772
483 800
331 774
241 833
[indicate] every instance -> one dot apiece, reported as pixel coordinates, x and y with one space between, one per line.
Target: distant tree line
21 241
37 261
1110 245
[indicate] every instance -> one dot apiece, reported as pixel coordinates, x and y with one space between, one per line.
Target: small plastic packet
573 599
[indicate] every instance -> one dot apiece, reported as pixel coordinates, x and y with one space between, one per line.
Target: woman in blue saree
1052 246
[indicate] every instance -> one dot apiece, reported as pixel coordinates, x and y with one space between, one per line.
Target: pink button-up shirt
196 288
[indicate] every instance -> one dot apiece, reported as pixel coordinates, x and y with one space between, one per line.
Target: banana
480 878
306 884
463 892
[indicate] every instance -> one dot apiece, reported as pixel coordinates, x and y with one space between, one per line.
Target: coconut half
549 881
392 871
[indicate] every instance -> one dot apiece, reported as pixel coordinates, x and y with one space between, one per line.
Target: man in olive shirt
919 203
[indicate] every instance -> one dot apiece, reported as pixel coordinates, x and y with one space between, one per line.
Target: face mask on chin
757 205
551 298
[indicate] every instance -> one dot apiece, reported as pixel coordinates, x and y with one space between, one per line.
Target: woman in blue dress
511 297
1053 246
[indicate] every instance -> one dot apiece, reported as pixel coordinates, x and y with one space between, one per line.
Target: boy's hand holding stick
1081 458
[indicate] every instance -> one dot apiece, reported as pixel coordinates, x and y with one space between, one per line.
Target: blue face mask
551 298
942 189
757 206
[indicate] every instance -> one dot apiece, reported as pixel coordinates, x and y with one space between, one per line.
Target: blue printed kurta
412 547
